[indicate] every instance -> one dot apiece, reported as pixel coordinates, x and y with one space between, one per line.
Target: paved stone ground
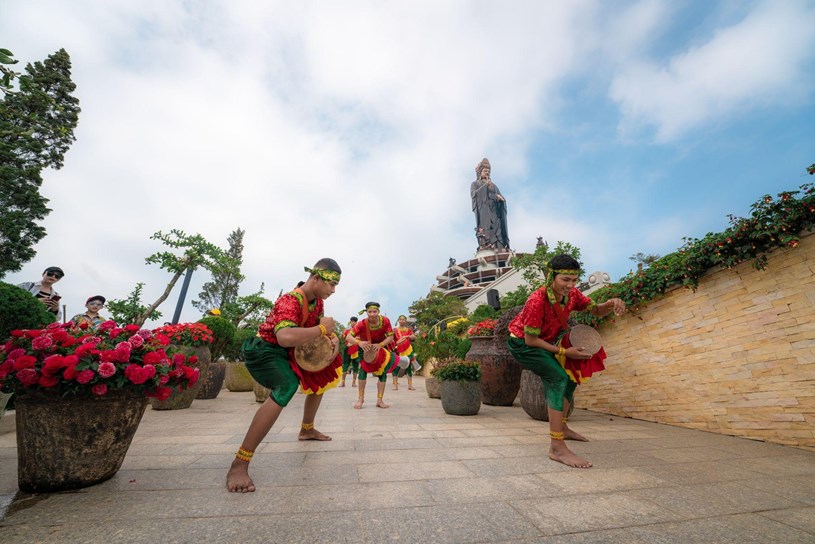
411 473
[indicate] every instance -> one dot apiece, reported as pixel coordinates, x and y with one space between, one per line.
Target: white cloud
760 61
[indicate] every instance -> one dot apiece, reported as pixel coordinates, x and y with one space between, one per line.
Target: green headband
323 274
372 305
551 273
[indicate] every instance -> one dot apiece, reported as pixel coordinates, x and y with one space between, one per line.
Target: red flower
42 342
152 358
47 380
85 376
27 376
99 389
161 393
106 370
24 361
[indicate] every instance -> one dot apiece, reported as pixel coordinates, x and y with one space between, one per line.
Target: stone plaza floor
411 473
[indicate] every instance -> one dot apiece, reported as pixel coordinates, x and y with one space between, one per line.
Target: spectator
94 305
44 289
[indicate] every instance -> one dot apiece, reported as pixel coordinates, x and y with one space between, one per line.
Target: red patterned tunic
365 332
402 336
293 310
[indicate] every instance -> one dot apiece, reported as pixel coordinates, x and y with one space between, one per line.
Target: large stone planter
261 393
460 398
68 443
533 397
213 382
237 377
500 374
433 388
179 400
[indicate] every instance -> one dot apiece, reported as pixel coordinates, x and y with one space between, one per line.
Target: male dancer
347 361
404 335
372 334
297 318
534 342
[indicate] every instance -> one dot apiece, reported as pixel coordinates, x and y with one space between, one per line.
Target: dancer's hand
577 353
328 323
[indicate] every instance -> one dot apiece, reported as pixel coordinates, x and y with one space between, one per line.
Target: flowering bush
187 334
483 328
77 361
774 223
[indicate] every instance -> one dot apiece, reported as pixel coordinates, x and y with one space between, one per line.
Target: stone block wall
736 357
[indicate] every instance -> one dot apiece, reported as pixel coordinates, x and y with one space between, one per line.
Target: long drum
314 355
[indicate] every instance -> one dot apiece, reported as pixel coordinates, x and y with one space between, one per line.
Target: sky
352 130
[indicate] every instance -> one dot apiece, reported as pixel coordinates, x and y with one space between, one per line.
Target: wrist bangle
323 331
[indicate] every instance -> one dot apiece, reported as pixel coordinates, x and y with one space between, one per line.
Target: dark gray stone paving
411 473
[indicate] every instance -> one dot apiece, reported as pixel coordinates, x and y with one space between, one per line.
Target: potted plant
501 375
80 395
459 383
190 339
223 333
237 378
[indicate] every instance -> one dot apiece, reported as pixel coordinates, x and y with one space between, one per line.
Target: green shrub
454 369
233 351
482 312
21 310
223 332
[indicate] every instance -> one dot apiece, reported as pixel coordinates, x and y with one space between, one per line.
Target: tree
435 307
226 279
7 75
36 130
129 310
196 252
248 311
533 267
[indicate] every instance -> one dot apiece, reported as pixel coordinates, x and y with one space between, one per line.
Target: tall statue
490 209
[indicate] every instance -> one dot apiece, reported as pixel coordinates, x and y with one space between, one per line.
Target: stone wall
736 357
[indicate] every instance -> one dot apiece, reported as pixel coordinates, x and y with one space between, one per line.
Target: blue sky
353 131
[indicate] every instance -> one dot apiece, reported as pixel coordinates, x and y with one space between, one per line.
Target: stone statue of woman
490 210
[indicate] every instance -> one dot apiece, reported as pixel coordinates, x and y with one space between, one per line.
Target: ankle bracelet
556 435
307 426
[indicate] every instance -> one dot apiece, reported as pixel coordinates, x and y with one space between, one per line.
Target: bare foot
342 384
358 404
564 455
312 434
569 434
381 404
354 384
411 388
237 479
395 387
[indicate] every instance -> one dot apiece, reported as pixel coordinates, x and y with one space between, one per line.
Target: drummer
533 341
372 335
297 318
347 361
404 335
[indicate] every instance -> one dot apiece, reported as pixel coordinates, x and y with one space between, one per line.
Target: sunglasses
54 274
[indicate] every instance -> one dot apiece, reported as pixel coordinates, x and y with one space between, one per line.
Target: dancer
347 361
404 335
297 318
534 342
372 335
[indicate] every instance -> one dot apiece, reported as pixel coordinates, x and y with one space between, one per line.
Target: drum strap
303 306
561 315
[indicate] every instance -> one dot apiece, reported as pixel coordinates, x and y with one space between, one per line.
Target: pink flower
178 359
136 341
27 376
42 342
15 353
162 379
99 389
146 334
85 376
91 340
106 370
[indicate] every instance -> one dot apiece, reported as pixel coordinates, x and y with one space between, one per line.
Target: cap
100 298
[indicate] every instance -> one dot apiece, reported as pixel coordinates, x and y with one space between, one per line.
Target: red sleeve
287 312
532 314
581 301
358 329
